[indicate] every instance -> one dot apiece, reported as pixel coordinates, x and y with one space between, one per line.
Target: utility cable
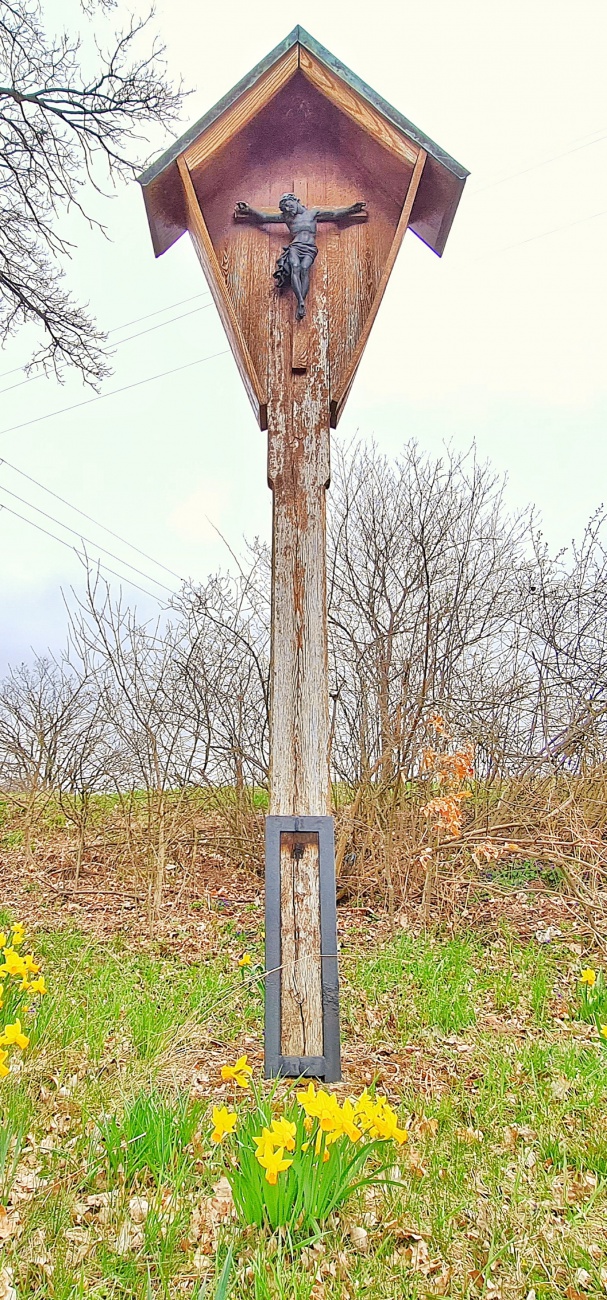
90 518
123 577
575 148
99 547
115 328
113 392
161 324
579 221
169 307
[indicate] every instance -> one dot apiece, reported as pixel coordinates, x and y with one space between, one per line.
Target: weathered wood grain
243 111
302 140
216 281
301 985
340 394
361 112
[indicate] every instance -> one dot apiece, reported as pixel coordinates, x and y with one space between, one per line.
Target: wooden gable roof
441 184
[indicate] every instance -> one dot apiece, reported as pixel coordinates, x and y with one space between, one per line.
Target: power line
113 392
115 328
62 542
587 144
21 382
90 518
579 221
138 319
161 324
112 555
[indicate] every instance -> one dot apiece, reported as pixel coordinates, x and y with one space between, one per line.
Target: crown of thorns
284 199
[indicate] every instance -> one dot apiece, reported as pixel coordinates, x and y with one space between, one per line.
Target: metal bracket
327 1066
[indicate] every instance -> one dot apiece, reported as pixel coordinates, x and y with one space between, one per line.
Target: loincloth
282 274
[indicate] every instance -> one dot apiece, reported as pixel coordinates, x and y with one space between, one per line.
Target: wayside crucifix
301 120
293 265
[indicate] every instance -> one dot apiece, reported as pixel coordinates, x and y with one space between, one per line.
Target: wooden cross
301 125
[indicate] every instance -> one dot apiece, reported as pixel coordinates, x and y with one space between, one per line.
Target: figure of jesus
293 265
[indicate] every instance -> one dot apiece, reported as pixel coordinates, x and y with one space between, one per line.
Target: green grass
503 1179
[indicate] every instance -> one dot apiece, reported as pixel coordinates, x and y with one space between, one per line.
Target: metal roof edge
299 36
211 116
382 105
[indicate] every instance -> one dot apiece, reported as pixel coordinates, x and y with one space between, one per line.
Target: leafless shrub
441 605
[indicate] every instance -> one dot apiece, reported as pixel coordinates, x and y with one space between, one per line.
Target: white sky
502 340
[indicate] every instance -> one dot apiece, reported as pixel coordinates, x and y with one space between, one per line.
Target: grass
106 1160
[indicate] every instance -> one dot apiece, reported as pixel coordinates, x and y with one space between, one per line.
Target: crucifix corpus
298 317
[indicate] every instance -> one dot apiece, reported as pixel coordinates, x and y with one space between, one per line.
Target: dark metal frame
327 1066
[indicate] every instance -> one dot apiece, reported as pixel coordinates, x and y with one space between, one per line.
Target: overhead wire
89 540
204 293
106 568
161 324
530 239
544 162
138 383
125 325
90 518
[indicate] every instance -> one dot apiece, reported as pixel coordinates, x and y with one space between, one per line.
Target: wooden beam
360 110
340 397
210 265
298 473
243 111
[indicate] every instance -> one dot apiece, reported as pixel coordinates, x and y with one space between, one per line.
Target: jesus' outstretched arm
338 214
244 212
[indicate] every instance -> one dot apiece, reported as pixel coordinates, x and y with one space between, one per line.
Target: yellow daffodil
265 1142
13 1035
224 1121
319 1105
38 986
604 1031
378 1119
239 1073
284 1133
386 1123
273 1162
245 960
588 977
3 939
4 1070
347 1121
18 935
30 964
307 1099
13 964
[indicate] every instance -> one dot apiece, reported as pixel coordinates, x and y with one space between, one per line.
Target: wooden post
298 473
300 119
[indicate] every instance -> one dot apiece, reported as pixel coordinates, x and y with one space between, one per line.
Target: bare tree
423 561
39 708
159 732
65 108
226 623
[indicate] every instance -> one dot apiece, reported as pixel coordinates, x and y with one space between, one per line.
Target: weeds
500 1188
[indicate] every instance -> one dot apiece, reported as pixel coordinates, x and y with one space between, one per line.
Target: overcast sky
501 341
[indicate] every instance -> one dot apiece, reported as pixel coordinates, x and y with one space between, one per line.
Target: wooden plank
301 1029
339 398
243 111
298 471
215 279
360 110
